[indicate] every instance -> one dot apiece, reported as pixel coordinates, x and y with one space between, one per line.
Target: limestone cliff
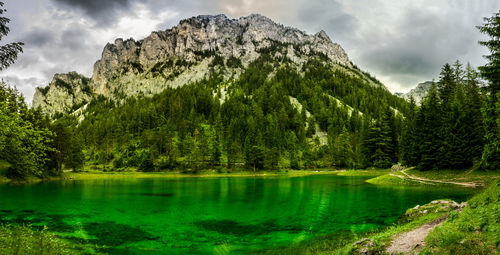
64 93
188 52
418 93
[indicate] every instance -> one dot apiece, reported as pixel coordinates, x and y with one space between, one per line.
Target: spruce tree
446 83
428 126
474 140
379 144
409 139
491 72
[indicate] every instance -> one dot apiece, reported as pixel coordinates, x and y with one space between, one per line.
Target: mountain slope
214 91
189 51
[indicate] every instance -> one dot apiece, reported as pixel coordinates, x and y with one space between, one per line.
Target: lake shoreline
209 173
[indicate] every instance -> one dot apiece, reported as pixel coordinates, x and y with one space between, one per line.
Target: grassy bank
476 230
465 176
411 177
395 178
92 174
214 173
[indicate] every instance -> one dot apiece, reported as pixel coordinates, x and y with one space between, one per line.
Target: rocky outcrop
187 52
64 93
204 36
418 93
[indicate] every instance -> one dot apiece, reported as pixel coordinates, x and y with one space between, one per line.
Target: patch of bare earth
413 241
466 184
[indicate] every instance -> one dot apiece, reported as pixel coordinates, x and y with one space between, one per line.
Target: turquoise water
210 215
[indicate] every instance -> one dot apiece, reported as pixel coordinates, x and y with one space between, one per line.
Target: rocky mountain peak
63 93
184 53
418 93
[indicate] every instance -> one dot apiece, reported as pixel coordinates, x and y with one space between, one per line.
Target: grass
96 174
25 240
393 179
203 173
370 172
468 175
476 230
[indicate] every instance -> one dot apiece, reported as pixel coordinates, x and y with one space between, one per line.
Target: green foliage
8 52
24 139
43 90
233 62
380 143
447 130
60 83
256 125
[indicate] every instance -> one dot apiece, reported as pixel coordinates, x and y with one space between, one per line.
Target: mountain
418 93
184 54
215 91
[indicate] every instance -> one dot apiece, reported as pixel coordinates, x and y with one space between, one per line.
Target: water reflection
198 215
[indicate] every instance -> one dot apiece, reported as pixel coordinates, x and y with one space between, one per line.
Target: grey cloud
419 38
37 37
25 85
329 16
104 12
419 46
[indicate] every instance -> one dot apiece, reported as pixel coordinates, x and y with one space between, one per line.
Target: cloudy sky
401 42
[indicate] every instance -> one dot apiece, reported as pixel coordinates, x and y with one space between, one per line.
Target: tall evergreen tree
379 145
491 72
474 140
446 83
429 124
409 139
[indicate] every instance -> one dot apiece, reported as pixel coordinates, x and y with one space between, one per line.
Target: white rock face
64 92
241 38
183 54
418 93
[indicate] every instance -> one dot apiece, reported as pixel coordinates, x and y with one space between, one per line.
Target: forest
272 116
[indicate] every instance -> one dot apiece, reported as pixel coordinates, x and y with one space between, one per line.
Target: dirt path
466 184
413 241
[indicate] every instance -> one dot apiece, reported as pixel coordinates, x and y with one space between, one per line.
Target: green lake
210 215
